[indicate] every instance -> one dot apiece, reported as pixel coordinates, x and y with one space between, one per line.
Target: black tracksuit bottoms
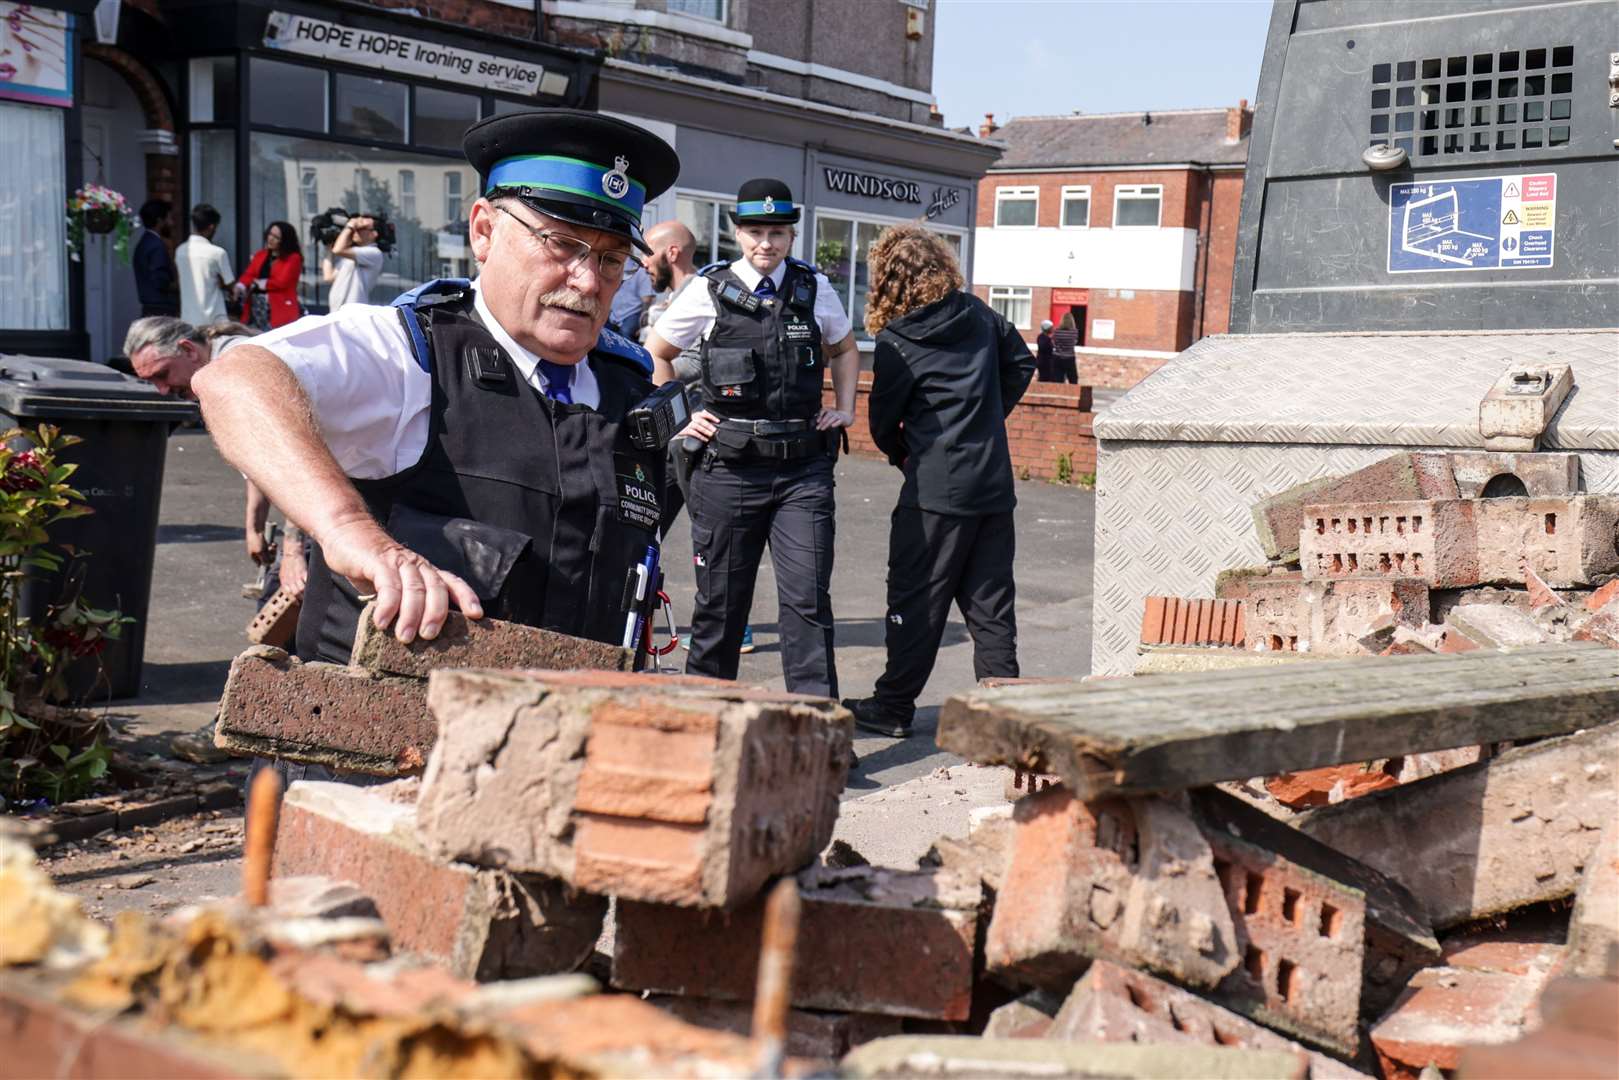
934 559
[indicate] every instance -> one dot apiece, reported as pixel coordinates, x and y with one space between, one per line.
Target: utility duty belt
734 444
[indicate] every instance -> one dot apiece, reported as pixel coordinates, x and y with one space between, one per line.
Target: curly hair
910 268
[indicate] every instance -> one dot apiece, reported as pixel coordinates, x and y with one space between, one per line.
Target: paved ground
901 796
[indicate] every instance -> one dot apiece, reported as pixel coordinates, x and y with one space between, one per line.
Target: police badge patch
637 493
616 182
770 204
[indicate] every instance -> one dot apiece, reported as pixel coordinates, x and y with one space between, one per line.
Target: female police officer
770 326
465 443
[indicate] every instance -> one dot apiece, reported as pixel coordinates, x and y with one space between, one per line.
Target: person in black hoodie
946 373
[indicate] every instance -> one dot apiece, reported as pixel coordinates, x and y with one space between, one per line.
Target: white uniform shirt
690 316
370 397
202 264
352 278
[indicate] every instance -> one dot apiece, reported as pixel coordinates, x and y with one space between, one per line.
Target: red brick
276 706
1578 1039
481 643
484 924
1152 620
1279 519
1112 1004
871 941
1316 787
1330 618
671 790
1600 598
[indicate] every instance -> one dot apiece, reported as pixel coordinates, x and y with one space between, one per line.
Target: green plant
35 494
1065 468
1086 480
98 205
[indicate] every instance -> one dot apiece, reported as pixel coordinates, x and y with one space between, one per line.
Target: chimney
1238 121
988 127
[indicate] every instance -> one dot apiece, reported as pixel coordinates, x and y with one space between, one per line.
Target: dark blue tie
766 288
558 381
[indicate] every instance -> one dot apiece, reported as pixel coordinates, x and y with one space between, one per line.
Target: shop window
702 9
213 181
1137 206
289 174
407 193
453 210
441 117
213 90
1076 207
33 230
1016 207
365 108
287 95
842 246
709 223
1015 304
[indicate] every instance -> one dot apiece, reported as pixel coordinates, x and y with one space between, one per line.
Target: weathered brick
1521 403
1029 1017
1593 929
810 1034
1330 617
1170 620
277 620
1578 1038
1130 880
1445 1009
1308 928
1335 783
1402 476
277 706
1112 1004
1602 627
644 787
1490 837
1569 541
873 941
1495 626
481 643
484 924
1434 541
1038 1059
1540 474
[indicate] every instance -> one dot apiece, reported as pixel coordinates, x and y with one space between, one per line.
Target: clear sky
1046 57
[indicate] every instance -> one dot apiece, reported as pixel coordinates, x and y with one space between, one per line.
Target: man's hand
294 568
702 425
827 419
406 585
260 551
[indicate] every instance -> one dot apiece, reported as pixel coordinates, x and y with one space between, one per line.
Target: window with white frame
309 190
452 196
842 247
1137 206
705 216
407 193
702 9
1076 207
1016 207
1015 304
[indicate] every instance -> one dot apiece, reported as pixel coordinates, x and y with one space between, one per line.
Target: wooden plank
1171 732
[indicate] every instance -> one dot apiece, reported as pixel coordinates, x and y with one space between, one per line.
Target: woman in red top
271 279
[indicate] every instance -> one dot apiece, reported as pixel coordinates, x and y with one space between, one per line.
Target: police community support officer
770 326
465 444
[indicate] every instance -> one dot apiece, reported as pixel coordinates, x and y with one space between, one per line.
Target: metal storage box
1183 457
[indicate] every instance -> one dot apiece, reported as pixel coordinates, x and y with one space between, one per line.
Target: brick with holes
1133 880
671 789
1330 617
1568 541
1112 1004
1406 475
1434 541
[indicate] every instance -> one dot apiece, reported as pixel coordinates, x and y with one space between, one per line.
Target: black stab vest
544 508
766 364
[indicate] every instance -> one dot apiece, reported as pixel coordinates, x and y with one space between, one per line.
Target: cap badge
616 183
770 204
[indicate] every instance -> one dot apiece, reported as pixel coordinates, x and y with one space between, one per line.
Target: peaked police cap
580 167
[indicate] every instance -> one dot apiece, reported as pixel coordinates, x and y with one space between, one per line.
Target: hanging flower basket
99 211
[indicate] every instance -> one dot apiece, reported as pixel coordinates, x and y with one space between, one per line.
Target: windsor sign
872 186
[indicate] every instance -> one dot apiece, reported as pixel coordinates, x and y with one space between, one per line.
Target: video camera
326 225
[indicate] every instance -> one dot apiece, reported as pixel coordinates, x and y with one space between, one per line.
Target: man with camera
351 279
470 443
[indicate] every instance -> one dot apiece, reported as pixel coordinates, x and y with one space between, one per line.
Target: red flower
16 479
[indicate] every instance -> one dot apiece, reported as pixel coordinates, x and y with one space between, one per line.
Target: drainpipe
1205 240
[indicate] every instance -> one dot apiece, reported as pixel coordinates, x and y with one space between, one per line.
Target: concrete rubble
1240 862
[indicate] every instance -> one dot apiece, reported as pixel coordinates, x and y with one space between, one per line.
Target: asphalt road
198 615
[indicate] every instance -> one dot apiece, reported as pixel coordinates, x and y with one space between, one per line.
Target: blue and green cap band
754 209
569 175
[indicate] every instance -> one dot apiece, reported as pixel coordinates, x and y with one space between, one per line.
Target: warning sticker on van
1478 223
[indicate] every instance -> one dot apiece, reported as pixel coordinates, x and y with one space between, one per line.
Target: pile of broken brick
1151 910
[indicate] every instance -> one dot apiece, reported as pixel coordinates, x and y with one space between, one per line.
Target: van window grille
1517 99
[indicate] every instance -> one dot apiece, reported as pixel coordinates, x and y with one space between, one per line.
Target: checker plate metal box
1183 457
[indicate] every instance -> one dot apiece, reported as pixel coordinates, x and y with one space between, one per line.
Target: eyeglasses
570 251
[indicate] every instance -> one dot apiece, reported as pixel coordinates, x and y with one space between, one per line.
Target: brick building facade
1127 221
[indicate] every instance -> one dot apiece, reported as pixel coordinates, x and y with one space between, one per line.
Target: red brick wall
1052 419
1226 189
478 14
1180 197
1160 320
1116 372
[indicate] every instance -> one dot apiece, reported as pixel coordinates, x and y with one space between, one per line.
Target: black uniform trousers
736 508
934 559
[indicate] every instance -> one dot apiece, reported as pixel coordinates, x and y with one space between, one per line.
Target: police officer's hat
580 167
765 202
